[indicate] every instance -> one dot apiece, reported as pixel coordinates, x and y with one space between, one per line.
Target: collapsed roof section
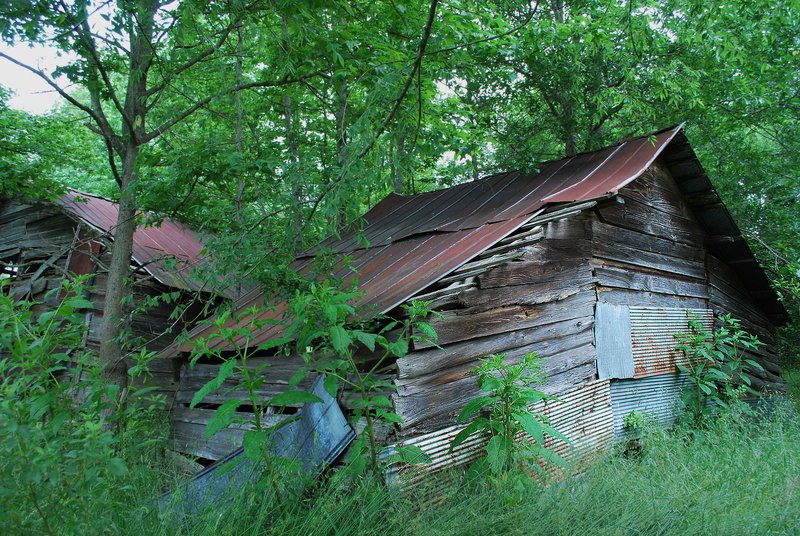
408 243
167 251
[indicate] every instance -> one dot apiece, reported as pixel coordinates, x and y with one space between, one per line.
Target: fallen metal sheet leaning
314 440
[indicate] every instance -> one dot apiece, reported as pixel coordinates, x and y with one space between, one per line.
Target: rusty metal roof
406 243
167 251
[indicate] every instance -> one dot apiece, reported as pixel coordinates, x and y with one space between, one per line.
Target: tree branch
199 57
84 33
166 125
99 119
513 30
426 33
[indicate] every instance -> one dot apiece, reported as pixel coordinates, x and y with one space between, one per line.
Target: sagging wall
539 291
44 245
35 245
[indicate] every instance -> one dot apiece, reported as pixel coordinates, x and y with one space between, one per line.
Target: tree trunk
398 166
239 119
295 179
340 87
133 128
111 350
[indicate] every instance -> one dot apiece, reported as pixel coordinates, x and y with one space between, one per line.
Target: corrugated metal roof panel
152 246
626 163
425 237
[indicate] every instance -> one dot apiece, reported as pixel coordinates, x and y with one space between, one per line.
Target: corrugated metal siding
653 340
583 415
659 396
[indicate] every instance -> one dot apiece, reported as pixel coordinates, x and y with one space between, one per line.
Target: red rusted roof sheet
154 248
409 242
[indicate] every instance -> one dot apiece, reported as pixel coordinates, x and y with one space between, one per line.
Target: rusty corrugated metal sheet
152 246
653 339
412 242
583 416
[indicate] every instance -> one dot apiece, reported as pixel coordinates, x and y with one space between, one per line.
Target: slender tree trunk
567 119
472 89
111 350
340 87
476 172
291 141
239 119
294 178
397 168
133 129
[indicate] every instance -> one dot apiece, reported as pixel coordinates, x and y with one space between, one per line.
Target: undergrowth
740 475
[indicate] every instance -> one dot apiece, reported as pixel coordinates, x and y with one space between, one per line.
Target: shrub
60 465
715 366
504 414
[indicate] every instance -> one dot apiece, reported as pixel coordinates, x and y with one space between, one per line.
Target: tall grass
740 476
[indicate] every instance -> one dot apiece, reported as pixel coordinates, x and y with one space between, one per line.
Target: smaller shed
41 243
592 263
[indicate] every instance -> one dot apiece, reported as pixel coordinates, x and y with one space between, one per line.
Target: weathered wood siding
727 295
45 244
37 240
542 301
649 250
536 291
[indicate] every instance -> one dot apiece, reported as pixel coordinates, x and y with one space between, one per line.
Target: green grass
738 477
741 476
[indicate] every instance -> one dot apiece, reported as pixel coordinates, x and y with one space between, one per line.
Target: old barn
41 243
592 263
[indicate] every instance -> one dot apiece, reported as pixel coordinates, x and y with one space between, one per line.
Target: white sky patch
31 93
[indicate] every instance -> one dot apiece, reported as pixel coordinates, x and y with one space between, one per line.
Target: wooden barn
592 263
41 243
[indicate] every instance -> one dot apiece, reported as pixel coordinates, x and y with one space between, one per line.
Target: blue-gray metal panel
612 333
658 396
314 441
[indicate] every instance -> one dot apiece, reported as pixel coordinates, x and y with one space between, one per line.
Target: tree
145 65
128 58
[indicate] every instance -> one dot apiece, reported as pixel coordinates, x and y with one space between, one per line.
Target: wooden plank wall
543 302
188 424
40 238
727 295
533 292
650 250
37 239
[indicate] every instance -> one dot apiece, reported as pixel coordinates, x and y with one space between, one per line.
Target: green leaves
715 365
225 371
222 417
340 339
293 398
506 414
254 443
